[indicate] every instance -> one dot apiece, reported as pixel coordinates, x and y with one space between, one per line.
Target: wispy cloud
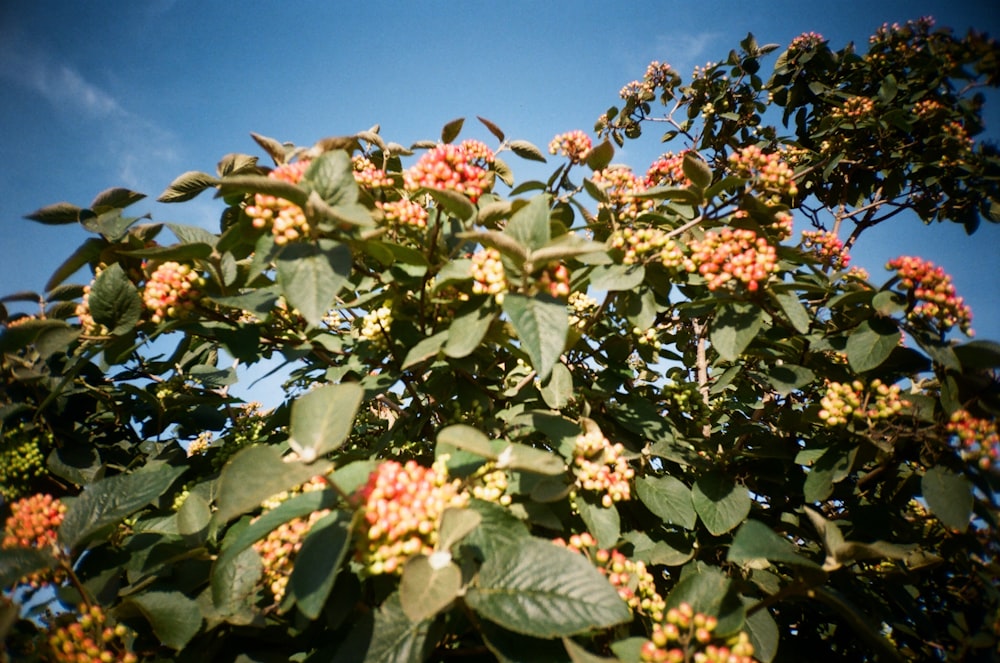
684 51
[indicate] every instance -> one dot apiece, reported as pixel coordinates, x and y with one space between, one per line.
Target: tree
606 414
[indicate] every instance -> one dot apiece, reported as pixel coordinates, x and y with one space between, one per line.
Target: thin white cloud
684 51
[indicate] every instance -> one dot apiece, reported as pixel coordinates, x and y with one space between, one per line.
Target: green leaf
317 563
794 310
754 541
425 349
429 584
395 638
174 617
58 214
115 198
889 303
237 184
557 391
468 329
529 225
192 234
526 150
721 503
543 590
107 502
949 497
832 467
668 498
978 354
110 224
186 186
234 584
451 130
494 129
322 419
193 518
871 343
510 647
467 438
16 563
603 522
763 632
256 473
735 326
708 590
114 300
455 204
456 523
312 275
578 654
600 156
88 252
696 170
529 459
617 277
787 378
542 324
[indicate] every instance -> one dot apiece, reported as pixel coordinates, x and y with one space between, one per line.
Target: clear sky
115 93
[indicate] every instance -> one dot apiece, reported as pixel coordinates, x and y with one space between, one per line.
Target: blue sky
131 94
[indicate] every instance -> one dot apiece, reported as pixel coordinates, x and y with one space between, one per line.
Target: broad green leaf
114 300
322 419
455 525
86 253
763 632
830 468
529 225
721 503
455 204
510 647
696 170
175 618
526 150
563 247
557 391
672 547
115 198
192 234
395 638
949 497
467 438
175 252
107 502
734 327
498 529
494 129
451 130
755 541
889 303
425 349
468 329
193 518
110 224
578 654
331 175
428 585
312 275
57 214
186 186
668 498
236 184
787 378
317 563
603 522
871 343
529 459
600 156
16 563
978 354
617 277
708 590
794 310
235 583
542 324
255 474
543 590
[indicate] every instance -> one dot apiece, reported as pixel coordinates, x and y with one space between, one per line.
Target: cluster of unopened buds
647 337
403 504
574 145
855 109
462 168
638 244
957 133
368 175
488 275
286 220
34 523
827 247
375 326
667 170
90 639
770 173
978 438
247 427
21 460
83 313
636 585
926 108
687 636
600 466
842 402
554 280
621 186
806 41
404 212
732 254
279 548
581 307
935 299
172 291
489 484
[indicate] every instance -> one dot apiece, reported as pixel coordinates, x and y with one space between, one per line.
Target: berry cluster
667 170
601 466
489 484
461 168
621 185
855 109
22 460
489 277
278 550
368 175
554 280
806 41
926 108
286 220
934 299
978 438
375 326
34 523
581 307
634 583
247 427
658 75
402 512
404 212
574 145
842 402
171 291
770 173
647 337
732 254
90 327
90 639
688 636
640 243
827 247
